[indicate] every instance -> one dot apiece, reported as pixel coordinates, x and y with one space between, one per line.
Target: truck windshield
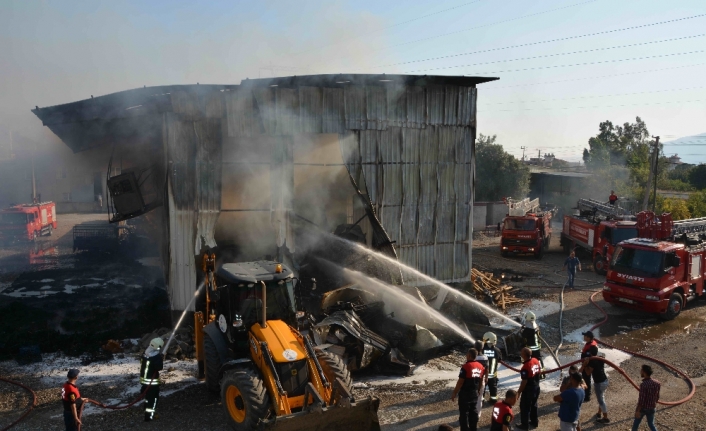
637 261
519 224
621 234
13 218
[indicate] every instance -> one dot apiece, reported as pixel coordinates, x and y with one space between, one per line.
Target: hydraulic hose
690 383
32 405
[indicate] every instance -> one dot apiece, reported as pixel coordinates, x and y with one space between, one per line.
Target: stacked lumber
485 285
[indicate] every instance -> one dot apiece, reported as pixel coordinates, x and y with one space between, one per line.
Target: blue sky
61 51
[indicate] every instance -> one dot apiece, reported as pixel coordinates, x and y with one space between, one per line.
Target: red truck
597 229
27 221
661 271
526 228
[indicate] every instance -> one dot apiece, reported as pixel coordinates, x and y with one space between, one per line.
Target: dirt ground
422 401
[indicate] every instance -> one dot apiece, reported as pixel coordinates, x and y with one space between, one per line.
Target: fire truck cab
526 229
661 271
28 221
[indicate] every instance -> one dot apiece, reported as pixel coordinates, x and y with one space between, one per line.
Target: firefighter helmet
530 317
490 338
157 343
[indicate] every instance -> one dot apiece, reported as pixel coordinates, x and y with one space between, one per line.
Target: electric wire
485 25
443 57
489 86
620 60
594 97
559 54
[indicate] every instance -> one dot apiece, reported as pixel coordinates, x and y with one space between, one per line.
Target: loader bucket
360 416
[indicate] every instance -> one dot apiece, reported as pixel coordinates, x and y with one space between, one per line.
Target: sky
564 65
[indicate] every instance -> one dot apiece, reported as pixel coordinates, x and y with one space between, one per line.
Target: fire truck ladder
522 207
692 225
600 208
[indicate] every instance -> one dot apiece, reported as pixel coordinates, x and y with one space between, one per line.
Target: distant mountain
691 149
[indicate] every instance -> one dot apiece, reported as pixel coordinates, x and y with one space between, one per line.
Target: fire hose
80 411
29 409
690 383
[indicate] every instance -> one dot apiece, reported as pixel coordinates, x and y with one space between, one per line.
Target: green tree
697 204
677 207
697 176
498 173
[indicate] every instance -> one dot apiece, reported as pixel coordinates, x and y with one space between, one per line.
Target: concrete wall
479 216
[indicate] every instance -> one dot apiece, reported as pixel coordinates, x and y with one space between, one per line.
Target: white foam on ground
68 288
122 374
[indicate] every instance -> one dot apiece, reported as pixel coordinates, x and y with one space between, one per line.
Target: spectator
589 340
566 382
529 390
596 368
571 400
647 400
571 264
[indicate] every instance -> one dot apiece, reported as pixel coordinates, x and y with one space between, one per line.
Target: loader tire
213 364
334 368
245 399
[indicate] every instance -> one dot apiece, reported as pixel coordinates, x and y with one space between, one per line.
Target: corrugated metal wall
409 149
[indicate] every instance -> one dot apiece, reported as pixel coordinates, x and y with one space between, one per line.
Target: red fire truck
526 229
661 271
597 229
28 221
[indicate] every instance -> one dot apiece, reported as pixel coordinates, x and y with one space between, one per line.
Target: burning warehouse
382 159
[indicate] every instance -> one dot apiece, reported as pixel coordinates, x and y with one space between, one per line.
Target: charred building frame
241 164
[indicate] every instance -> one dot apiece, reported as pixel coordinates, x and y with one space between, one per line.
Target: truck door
695 272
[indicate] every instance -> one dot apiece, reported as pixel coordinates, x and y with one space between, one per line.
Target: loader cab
238 299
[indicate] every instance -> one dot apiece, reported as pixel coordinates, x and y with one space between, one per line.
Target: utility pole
654 195
653 169
523 153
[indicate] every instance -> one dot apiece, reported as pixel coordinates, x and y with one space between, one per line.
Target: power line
391 26
604 106
591 63
559 54
491 87
593 97
483 26
543 41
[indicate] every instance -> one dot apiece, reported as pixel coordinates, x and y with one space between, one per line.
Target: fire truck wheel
49 232
540 254
674 307
599 265
34 235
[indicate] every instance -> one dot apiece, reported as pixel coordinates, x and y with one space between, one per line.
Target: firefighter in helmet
530 336
151 364
491 351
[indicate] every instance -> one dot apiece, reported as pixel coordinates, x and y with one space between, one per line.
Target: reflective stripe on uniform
149 382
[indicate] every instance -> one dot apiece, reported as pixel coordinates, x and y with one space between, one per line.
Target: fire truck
27 221
661 271
597 229
526 229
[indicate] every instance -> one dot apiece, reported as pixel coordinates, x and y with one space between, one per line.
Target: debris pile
485 285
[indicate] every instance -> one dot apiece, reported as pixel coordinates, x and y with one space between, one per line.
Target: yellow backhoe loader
269 375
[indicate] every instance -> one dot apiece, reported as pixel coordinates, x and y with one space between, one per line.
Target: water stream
409 270
386 289
171 337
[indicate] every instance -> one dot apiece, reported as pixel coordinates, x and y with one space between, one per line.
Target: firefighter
151 364
491 351
529 390
589 341
483 360
72 400
468 387
530 335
